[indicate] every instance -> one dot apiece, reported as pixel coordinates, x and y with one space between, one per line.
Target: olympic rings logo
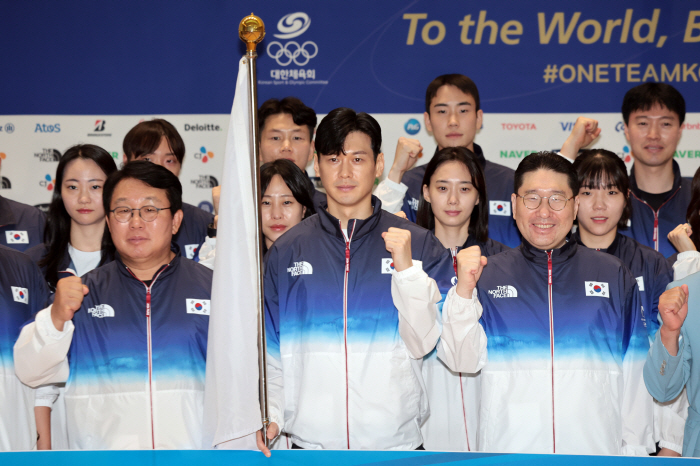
291 51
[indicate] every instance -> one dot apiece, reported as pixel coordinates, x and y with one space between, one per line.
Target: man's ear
177 221
379 165
312 151
513 203
426 120
316 169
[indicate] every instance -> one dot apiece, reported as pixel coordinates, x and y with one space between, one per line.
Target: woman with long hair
454 206
75 239
686 236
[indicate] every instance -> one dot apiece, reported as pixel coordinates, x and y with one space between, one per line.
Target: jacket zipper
551 341
345 327
150 347
453 251
655 238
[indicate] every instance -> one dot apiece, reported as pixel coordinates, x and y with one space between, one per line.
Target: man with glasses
566 333
129 338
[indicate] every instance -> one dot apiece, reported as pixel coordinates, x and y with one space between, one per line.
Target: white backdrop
30 144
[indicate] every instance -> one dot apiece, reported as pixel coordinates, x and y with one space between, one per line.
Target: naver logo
412 126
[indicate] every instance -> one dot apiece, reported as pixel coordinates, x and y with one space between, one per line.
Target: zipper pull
148 303
656 227
453 251
347 256
549 267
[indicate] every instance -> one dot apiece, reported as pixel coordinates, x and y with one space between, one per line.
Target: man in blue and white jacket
23 293
351 308
565 328
129 338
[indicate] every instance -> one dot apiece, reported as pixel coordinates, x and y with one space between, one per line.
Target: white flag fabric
231 405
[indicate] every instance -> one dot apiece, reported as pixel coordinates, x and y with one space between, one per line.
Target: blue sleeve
666 375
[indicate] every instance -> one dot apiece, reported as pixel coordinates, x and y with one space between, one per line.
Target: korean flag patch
499 208
191 250
387 265
640 283
16 237
198 306
20 295
599 289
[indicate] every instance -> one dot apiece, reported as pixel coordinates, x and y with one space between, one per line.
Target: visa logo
566 125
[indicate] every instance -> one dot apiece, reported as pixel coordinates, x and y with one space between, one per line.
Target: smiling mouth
544 226
599 219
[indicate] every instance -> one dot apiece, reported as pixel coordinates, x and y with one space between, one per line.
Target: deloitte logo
412 126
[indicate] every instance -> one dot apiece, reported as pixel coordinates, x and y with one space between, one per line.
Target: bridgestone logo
506 291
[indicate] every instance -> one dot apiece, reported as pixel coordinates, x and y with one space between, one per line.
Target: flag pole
252 31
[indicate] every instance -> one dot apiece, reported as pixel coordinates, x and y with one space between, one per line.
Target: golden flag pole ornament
252 31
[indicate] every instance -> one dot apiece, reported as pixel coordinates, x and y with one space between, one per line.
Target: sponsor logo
48 155
387 265
205 182
453 281
115 156
300 268
412 126
198 306
685 126
506 291
16 237
516 154
47 182
204 127
292 25
566 125
206 206
620 127
5 183
203 155
686 154
626 154
191 250
20 295
413 203
597 289
43 207
99 129
43 128
499 208
519 126
8 128
640 283
101 310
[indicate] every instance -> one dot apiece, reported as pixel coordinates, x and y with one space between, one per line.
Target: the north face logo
300 268
413 203
101 310
506 291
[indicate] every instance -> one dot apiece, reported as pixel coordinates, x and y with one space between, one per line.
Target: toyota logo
291 51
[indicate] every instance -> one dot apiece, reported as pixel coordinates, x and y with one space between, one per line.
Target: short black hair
145 137
461 82
335 127
602 169
545 161
301 114
149 173
296 180
479 222
647 95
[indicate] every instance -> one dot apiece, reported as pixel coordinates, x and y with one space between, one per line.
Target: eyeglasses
533 201
148 213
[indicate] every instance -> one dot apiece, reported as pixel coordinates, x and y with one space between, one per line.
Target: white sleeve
207 253
46 395
669 422
416 296
41 351
391 194
462 345
687 263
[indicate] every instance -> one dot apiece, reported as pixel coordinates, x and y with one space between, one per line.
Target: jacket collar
164 270
356 228
677 180
6 215
478 151
612 249
559 256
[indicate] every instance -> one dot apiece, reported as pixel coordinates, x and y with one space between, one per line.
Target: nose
84 196
345 168
599 202
453 119
544 211
136 221
276 211
452 199
653 132
286 144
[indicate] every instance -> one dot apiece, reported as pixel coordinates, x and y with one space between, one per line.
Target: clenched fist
406 156
398 243
69 296
470 264
680 238
584 132
673 309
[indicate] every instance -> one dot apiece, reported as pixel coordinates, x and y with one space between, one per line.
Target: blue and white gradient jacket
21 225
193 229
23 293
566 349
346 334
133 357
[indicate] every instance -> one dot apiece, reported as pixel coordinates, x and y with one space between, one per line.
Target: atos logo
620 127
203 155
412 126
9 128
41 128
47 182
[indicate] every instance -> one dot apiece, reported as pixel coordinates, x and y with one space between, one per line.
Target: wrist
400 265
464 291
58 323
668 334
396 174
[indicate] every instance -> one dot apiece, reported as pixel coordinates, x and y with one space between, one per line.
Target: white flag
231 405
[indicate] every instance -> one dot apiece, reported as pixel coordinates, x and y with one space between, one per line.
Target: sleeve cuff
45 326
565 157
398 187
409 273
671 446
687 255
463 305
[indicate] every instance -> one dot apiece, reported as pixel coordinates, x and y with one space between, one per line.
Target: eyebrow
295 130
445 105
448 181
278 195
125 199
534 191
93 179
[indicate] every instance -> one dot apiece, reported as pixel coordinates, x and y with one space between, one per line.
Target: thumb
484 261
384 234
685 290
85 290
